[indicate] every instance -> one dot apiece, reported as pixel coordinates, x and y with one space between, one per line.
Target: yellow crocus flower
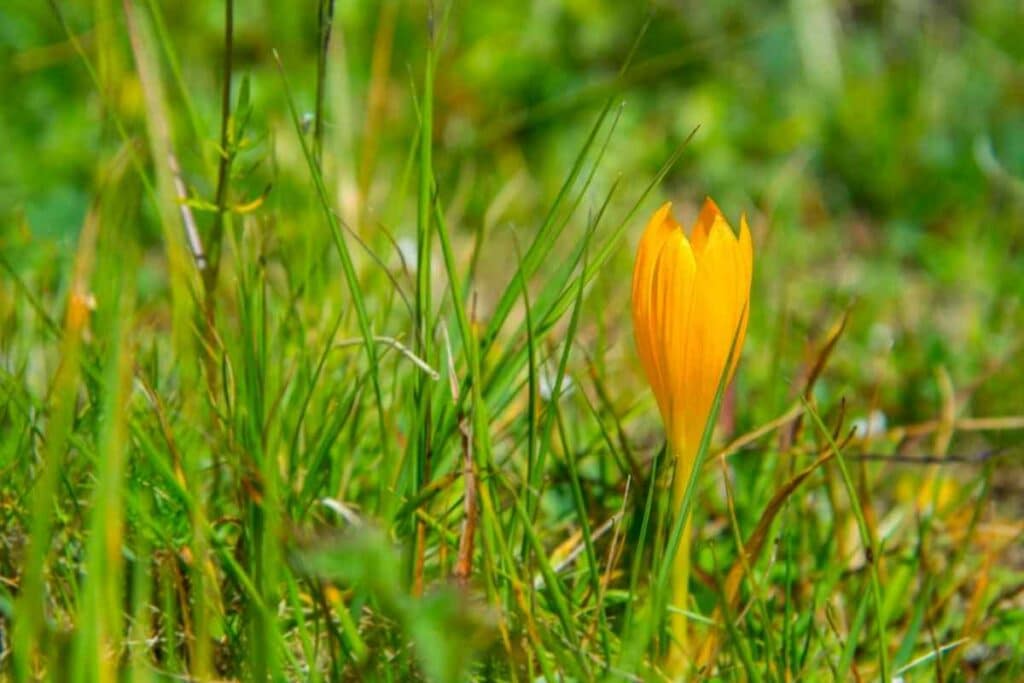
690 300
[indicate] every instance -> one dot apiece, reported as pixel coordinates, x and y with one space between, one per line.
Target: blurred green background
877 147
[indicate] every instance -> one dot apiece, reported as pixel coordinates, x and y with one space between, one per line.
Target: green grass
316 362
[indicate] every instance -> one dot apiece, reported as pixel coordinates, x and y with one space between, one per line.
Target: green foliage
317 365
446 629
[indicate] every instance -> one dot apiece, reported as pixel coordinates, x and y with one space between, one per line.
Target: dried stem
464 560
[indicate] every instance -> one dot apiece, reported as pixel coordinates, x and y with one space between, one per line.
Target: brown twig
464 560
969 459
966 424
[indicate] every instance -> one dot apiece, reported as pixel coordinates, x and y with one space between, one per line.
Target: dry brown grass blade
816 368
421 526
464 560
975 609
617 544
741 442
569 550
160 133
933 481
967 424
751 550
615 547
376 101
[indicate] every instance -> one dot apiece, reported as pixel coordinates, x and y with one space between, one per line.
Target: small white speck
872 426
407 248
882 338
546 386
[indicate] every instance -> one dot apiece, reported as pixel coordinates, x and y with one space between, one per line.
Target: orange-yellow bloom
690 301
690 297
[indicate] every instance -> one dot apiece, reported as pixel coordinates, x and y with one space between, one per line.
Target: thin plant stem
225 158
678 655
325 19
424 233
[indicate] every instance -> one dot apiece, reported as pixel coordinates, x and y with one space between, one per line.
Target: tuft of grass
315 358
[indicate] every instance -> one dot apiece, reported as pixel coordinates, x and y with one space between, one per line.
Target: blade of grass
424 303
351 279
594 573
28 633
165 200
553 586
325 22
634 574
871 549
99 631
853 636
546 235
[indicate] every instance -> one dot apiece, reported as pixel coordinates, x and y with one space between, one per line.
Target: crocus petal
714 320
702 227
678 284
645 323
746 260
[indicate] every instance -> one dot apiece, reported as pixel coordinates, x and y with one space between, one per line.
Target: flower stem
677 654
678 659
